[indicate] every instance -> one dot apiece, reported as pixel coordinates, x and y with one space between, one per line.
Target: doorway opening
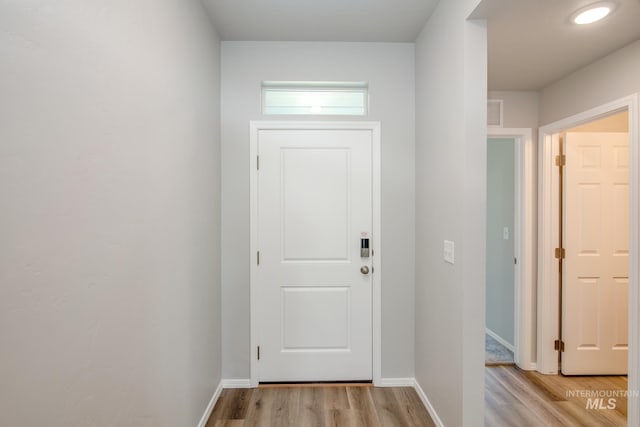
558 283
594 247
518 273
501 259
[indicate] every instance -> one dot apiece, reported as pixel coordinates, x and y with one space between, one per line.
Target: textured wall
451 98
389 70
615 76
109 181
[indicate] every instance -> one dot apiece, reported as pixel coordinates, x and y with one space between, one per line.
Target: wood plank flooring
325 406
523 398
512 398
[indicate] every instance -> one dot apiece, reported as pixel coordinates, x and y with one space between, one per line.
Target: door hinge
258 162
558 345
258 352
559 253
561 160
515 261
258 258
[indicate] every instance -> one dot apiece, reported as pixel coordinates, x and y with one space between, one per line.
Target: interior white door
314 204
596 265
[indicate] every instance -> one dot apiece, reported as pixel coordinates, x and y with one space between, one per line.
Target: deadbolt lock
364 269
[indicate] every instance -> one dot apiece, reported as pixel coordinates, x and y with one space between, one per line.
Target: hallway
126 257
320 405
527 398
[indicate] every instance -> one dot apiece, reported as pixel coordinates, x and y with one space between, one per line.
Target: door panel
304 309
595 269
314 202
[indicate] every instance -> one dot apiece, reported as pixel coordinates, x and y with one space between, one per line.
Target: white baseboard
395 382
500 340
423 396
236 383
210 406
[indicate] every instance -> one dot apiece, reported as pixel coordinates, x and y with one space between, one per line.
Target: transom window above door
315 98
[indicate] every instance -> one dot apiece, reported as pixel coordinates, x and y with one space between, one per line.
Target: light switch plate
449 251
505 233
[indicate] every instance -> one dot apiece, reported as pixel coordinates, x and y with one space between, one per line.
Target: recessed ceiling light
592 13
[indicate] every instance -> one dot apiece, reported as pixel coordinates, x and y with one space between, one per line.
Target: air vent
494 113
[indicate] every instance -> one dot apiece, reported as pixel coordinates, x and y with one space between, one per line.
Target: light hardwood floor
325 406
512 398
522 398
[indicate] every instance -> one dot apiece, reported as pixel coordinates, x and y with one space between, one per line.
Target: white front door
314 302
596 266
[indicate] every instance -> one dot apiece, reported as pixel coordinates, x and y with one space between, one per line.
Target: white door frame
548 239
524 242
374 127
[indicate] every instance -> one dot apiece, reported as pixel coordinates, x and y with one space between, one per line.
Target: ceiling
320 20
532 43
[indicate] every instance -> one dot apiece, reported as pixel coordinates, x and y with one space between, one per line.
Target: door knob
364 269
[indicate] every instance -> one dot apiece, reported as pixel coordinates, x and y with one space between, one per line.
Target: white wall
109 181
520 108
389 70
612 77
451 96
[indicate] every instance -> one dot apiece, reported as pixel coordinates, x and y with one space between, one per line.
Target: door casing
374 128
524 242
548 205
